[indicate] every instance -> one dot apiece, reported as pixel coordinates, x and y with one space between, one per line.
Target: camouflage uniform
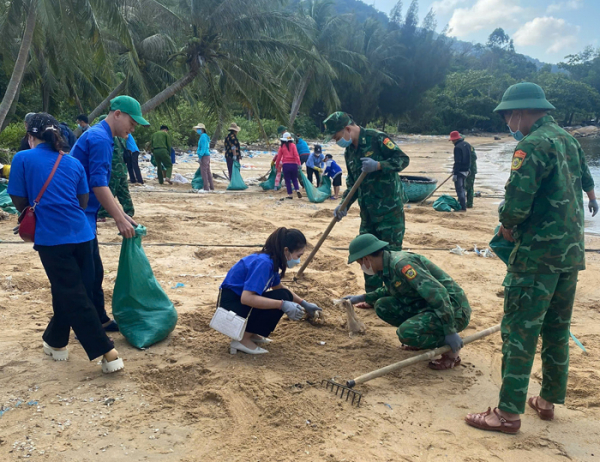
118 184
470 180
544 207
420 299
380 195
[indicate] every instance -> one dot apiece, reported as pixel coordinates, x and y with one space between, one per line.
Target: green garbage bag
197 182
501 247
269 183
5 201
237 182
446 204
319 194
143 311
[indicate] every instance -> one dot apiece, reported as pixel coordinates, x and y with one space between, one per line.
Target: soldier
118 184
380 196
419 298
543 214
461 149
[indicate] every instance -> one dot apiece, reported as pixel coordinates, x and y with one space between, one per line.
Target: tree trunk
171 90
218 130
13 108
96 112
298 97
19 69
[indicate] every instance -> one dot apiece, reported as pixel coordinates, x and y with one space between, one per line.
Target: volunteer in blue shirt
204 157
303 149
314 164
333 171
252 289
132 161
63 239
94 149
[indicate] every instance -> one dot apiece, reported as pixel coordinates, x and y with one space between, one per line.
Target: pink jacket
287 156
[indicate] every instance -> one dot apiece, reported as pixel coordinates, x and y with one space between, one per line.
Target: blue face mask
343 142
518 135
293 262
199 131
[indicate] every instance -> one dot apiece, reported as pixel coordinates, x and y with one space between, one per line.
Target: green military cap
129 106
364 245
336 122
525 95
281 129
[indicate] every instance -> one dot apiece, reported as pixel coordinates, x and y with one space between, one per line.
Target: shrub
11 136
306 127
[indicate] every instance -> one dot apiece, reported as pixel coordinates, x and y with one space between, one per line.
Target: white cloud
485 14
562 6
445 6
548 32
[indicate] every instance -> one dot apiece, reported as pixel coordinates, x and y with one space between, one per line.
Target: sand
188 399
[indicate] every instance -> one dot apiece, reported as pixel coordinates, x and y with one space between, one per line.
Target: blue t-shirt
131 144
59 217
203 145
315 160
302 147
333 170
94 149
254 273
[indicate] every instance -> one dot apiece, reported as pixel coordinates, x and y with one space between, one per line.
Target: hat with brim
287 136
455 136
525 95
234 127
129 106
364 245
200 126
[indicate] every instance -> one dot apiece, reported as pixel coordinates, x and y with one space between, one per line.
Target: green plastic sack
5 201
319 194
237 182
198 182
446 204
143 311
269 183
501 247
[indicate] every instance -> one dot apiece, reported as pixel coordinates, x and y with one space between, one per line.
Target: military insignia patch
398 284
518 158
409 272
389 143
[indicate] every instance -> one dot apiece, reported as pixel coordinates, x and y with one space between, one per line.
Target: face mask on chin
518 135
367 271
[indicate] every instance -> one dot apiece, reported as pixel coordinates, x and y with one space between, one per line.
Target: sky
547 30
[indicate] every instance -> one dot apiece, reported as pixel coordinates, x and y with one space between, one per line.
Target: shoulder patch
409 272
518 158
389 143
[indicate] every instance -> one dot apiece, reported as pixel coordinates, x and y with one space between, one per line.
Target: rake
350 384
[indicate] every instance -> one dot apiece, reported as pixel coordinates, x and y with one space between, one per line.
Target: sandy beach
187 399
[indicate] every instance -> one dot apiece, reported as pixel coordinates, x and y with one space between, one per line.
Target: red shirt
287 154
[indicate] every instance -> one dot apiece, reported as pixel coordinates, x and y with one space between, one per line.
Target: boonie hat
454 136
336 122
199 126
525 95
364 245
234 127
281 129
129 106
286 137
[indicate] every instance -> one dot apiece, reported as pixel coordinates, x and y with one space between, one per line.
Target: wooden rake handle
416 359
344 205
433 192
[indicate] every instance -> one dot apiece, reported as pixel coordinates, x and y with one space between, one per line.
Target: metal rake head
342 389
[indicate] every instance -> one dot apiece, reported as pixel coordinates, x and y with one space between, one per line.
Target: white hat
286 137
199 126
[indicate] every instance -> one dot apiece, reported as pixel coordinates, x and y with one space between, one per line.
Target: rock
497 138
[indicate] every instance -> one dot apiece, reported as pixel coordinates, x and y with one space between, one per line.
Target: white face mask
367 271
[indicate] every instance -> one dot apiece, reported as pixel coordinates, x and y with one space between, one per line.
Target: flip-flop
444 363
506 426
544 414
108 367
57 355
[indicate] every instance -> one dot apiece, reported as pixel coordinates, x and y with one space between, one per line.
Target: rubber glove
593 206
369 165
355 299
294 311
340 213
310 308
454 341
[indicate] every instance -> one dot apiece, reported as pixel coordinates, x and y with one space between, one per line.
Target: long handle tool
433 192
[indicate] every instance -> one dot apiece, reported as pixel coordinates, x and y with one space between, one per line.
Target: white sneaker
108 367
57 355
235 346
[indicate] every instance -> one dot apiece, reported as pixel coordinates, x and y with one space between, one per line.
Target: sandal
57 355
544 414
299 194
108 367
506 426
111 326
444 363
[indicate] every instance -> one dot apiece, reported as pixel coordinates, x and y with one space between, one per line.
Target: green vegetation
262 63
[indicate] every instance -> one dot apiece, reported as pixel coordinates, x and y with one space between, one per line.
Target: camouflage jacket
381 192
544 201
473 168
419 285
118 168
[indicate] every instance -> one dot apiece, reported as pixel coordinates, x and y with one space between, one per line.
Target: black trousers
93 283
67 267
309 174
133 166
229 161
261 322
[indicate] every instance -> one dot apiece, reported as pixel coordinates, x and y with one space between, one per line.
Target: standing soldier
118 183
380 196
543 214
161 149
461 149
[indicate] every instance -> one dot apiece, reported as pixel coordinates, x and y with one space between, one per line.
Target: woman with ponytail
63 239
252 289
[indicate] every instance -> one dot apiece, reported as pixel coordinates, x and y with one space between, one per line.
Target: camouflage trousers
470 188
391 230
422 330
534 305
119 186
